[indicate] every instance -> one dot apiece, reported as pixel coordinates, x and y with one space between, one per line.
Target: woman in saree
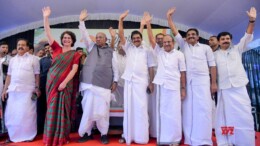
61 86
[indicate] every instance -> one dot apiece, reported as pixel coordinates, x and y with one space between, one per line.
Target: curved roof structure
210 17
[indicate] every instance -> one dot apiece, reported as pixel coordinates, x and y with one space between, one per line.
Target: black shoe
104 139
85 138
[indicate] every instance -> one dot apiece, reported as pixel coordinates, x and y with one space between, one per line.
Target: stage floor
74 137
96 142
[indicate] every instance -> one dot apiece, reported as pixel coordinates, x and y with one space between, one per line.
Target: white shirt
5 60
90 44
22 70
138 60
198 60
230 70
170 64
155 53
121 63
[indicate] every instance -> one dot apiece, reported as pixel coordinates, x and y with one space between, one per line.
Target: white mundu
197 106
152 104
234 106
20 114
135 124
167 79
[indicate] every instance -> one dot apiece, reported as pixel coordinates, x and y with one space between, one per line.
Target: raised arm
252 17
248 37
148 20
113 37
173 28
170 21
85 35
120 27
142 24
46 12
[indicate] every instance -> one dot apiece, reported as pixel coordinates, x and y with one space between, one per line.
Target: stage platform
96 142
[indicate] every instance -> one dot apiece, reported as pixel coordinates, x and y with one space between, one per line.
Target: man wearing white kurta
171 86
197 106
170 78
213 43
119 93
4 58
234 106
98 79
139 66
22 80
156 42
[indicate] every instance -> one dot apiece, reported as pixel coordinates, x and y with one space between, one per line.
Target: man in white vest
99 78
155 42
234 120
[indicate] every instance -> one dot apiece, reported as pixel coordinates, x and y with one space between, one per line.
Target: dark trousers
41 111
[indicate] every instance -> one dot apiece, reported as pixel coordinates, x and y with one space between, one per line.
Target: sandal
7 141
122 140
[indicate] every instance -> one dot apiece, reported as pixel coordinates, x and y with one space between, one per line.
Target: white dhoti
213 113
95 105
135 125
197 115
20 116
234 110
169 128
152 113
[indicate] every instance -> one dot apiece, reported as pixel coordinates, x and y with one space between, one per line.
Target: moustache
167 45
191 38
226 43
20 48
137 41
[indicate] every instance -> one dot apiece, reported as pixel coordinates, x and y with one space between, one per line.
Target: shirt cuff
115 79
212 63
152 65
178 36
82 25
247 35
